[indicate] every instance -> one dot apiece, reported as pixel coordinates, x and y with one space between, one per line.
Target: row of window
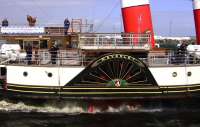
25 74
174 74
42 44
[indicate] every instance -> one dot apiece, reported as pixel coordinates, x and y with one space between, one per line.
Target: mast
196 7
137 17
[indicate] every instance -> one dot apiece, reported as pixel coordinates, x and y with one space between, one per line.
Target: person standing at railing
181 52
54 51
66 26
29 54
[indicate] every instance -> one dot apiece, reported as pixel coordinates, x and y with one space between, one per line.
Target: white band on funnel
130 3
196 4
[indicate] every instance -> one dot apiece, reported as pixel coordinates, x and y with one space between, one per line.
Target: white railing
76 58
172 58
115 41
45 57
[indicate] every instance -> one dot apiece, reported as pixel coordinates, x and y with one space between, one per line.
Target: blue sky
170 17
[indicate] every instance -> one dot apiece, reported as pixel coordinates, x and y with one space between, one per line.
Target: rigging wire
107 16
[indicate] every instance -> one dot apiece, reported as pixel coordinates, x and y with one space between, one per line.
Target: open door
3 72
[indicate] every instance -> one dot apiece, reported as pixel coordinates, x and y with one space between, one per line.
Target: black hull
101 93
103 99
165 103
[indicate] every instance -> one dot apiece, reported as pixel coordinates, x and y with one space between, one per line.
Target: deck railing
58 58
76 58
173 58
115 41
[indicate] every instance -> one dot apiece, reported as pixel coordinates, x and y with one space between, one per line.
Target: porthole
174 74
189 74
50 75
25 74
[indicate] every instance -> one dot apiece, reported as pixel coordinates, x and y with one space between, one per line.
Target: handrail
114 41
76 58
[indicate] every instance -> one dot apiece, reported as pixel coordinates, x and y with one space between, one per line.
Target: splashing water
22 107
64 107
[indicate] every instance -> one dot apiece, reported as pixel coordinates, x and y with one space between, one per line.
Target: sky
170 17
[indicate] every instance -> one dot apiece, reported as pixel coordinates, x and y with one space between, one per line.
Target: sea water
65 114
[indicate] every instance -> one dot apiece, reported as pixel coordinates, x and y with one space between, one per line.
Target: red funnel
137 17
196 5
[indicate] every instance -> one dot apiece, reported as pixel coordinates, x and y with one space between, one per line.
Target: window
58 43
35 44
27 43
25 74
21 44
43 44
50 75
3 71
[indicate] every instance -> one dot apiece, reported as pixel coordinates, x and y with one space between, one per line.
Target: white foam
65 107
123 108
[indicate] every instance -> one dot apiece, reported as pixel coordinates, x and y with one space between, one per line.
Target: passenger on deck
29 54
54 51
66 26
181 52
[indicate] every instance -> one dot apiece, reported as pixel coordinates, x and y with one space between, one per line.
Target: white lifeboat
194 50
11 51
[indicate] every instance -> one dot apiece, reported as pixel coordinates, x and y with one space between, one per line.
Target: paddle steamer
99 65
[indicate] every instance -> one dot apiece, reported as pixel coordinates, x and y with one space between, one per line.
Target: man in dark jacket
53 51
29 54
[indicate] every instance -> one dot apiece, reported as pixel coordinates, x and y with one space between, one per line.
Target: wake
70 108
